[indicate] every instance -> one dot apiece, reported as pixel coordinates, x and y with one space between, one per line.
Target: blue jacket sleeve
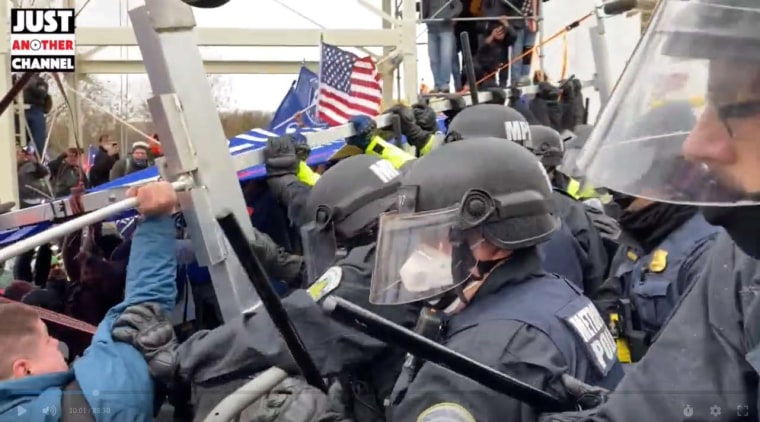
114 376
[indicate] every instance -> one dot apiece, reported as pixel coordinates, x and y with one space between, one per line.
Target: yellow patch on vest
632 255
659 261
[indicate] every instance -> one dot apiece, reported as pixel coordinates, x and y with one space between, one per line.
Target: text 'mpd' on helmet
686 109
449 202
489 120
345 204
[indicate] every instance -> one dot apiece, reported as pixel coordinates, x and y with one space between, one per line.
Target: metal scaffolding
397 38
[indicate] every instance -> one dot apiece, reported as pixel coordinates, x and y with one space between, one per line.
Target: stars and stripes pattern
348 86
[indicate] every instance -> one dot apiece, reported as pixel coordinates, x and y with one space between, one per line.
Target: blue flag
301 99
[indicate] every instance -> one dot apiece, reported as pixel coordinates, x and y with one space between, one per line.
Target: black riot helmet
345 204
498 192
547 145
489 120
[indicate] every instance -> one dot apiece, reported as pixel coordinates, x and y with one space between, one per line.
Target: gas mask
426 269
140 163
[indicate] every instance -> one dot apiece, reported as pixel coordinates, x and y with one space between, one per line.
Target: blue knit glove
365 128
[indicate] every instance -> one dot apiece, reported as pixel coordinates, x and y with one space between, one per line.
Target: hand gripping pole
76 224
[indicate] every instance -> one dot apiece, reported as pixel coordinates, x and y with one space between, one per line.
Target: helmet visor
417 257
685 117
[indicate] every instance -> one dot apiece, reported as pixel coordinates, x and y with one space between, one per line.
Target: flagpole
319 75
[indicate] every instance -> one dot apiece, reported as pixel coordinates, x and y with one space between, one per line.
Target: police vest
559 255
648 280
557 308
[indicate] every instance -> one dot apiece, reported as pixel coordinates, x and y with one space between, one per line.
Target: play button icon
20 410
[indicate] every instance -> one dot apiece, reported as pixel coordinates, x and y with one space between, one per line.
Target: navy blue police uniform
654 282
524 322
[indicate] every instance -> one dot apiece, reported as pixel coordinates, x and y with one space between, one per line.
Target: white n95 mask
427 268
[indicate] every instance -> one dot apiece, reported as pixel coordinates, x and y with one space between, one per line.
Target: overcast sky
264 92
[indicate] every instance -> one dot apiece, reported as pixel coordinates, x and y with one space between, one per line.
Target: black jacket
101 168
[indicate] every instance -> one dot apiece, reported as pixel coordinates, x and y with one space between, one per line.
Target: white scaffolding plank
213 67
249 37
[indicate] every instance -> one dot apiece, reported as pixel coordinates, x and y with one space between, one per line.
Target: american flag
348 86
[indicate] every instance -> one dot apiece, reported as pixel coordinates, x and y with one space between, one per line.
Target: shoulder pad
326 284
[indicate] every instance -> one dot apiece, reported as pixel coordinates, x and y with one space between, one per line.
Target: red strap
60 319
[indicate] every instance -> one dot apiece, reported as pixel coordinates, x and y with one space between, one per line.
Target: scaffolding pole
193 141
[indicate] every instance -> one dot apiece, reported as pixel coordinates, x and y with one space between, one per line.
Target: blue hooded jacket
113 376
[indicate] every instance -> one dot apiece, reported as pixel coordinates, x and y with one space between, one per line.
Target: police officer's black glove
586 396
608 227
293 400
302 149
456 104
147 327
277 261
415 135
425 117
498 96
365 128
280 156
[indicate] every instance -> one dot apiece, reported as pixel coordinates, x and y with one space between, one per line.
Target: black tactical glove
415 135
280 156
147 328
585 396
498 96
293 400
607 226
425 117
277 261
456 104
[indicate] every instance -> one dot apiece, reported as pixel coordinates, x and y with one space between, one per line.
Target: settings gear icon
715 410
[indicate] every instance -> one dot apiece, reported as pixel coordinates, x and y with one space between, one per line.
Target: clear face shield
416 257
683 123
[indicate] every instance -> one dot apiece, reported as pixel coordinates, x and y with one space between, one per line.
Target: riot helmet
344 206
547 145
705 55
489 120
573 147
498 193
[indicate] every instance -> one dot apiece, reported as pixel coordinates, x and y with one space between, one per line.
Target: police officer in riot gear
345 202
704 363
464 242
575 250
662 253
547 145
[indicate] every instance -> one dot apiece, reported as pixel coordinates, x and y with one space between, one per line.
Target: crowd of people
632 299
498 30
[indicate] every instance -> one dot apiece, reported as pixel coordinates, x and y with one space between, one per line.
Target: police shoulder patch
329 281
449 412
